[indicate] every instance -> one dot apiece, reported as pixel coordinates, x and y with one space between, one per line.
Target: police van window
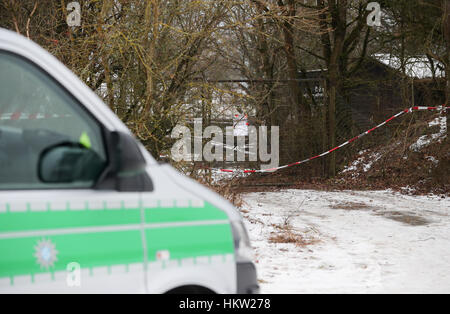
37 114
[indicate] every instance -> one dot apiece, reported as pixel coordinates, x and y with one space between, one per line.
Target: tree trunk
446 30
339 13
296 96
333 77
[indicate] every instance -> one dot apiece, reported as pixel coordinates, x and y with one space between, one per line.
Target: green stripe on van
27 221
89 250
119 246
192 241
47 220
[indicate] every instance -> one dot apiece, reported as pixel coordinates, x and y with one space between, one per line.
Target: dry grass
350 206
285 234
291 237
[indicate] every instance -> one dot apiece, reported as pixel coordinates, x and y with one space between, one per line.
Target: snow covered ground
349 242
426 140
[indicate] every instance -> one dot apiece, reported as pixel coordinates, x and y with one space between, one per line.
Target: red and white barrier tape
416 108
15 116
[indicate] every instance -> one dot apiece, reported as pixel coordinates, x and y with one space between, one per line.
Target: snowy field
349 242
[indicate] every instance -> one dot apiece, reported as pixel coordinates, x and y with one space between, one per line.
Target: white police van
85 208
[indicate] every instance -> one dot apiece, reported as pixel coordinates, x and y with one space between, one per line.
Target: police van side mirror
69 162
130 161
126 171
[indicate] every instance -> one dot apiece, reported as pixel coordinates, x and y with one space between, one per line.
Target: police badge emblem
45 253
